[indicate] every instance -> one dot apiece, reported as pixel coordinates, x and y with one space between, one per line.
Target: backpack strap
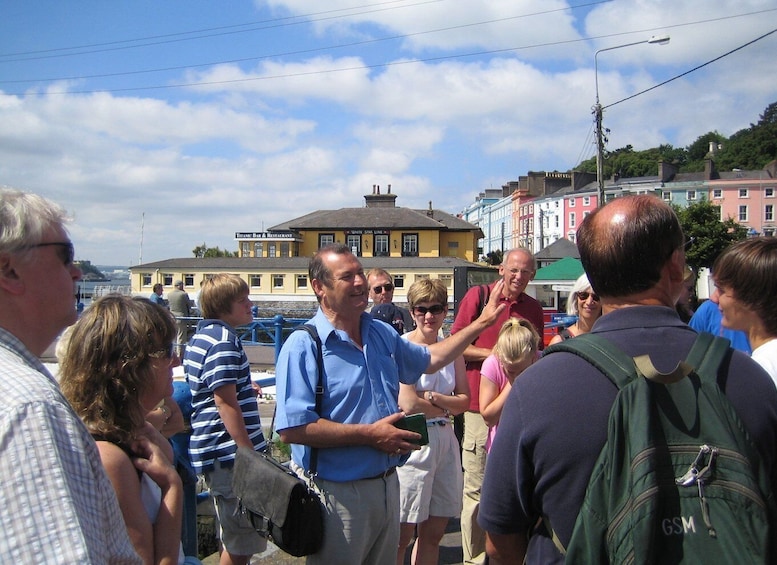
705 357
602 354
311 330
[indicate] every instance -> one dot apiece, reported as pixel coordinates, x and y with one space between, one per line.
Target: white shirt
766 357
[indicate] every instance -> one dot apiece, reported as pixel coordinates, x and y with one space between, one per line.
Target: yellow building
410 244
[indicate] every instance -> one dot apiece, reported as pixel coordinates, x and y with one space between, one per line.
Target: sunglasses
435 310
584 296
67 252
388 287
164 353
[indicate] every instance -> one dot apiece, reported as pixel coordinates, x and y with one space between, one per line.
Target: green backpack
678 480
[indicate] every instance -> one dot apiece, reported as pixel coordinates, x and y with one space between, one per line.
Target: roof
566 269
232 264
558 249
377 216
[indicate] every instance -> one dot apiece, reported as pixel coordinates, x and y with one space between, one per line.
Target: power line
204 30
376 65
693 69
298 52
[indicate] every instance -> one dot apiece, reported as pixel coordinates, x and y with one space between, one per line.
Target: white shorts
431 482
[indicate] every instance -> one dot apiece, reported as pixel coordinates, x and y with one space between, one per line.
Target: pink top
493 371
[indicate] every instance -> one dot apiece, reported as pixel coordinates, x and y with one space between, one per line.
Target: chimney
378 200
430 212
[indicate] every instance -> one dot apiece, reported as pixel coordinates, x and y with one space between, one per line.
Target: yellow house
410 244
379 229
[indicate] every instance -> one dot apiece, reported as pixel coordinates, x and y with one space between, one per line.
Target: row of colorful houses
541 208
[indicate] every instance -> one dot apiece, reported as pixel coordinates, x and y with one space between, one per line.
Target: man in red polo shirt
517 269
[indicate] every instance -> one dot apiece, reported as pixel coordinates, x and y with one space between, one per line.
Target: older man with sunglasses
381 285
58 504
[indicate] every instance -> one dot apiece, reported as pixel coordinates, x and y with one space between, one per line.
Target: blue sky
198 119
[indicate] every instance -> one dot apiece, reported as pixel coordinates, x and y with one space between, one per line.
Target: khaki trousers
473 459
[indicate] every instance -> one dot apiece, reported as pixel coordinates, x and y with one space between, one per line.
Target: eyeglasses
67 252
435 310
388 287
584 296
164 353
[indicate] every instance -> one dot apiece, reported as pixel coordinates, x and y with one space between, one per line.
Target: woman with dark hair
116 367
745 276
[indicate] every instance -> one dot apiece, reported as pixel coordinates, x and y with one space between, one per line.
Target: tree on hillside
701 221
697 151
752 148
205 251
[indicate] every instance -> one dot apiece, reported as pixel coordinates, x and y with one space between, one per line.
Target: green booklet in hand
415 423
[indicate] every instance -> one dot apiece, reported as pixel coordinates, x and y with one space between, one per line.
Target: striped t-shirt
214 358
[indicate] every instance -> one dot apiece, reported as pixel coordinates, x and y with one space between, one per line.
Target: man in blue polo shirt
358 445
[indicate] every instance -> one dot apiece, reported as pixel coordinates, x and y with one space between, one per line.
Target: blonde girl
516 348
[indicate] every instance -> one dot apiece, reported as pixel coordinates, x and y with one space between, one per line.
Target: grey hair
582 283
25 217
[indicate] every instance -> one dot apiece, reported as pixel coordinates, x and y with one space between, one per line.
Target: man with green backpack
639 443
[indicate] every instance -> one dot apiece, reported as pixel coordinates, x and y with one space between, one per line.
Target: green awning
566 269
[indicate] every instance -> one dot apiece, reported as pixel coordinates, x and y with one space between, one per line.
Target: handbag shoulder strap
311 330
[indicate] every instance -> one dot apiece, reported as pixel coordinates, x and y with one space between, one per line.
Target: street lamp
657 39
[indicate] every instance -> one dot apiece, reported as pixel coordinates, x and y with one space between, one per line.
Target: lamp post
656 39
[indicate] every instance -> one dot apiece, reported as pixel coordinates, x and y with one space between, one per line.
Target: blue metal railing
261 331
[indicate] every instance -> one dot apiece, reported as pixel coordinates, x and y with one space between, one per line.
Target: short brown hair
219 293
427 290
749 269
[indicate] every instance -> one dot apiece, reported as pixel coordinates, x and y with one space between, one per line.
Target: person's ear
676 266
318 287
9 278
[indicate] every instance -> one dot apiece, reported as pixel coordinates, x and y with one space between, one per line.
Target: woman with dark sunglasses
584 303
431 481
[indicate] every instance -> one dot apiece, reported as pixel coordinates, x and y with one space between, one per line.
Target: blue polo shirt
361 387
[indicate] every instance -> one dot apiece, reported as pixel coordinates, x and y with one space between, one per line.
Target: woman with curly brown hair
116 367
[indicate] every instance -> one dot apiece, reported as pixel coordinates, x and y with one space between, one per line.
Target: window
254 281
690 195
743 193
743 213
717 193
277 281
447 280
399 281
769 192
188 279
354 243
167 279
769 213
146 278
285 249
245 249
381 246
453 248
572 202
572 220
421 277
259 249
409 245
271 250
556 222
325 239
667 196
586 200
302 281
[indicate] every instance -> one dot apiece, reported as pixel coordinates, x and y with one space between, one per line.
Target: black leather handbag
279 504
